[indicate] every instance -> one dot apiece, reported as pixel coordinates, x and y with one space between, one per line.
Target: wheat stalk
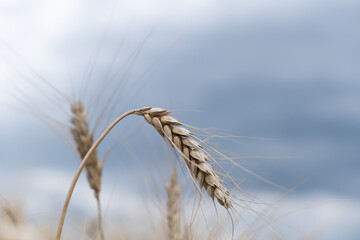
173 191
84 140
194 155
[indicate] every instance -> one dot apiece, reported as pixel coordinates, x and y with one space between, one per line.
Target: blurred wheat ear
173 212
13 224
84 141
12 214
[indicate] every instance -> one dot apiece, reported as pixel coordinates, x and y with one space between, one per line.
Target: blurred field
283 76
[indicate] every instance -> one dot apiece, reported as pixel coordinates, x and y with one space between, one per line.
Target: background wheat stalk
173 191
84 140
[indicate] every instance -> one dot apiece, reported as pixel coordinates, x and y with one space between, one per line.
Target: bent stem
82 165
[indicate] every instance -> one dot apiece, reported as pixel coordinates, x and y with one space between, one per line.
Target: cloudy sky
284 74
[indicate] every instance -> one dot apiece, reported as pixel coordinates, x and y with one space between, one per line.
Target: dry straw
181 139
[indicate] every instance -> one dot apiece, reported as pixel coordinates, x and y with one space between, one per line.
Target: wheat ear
84 140
13 214
180 138
194 155
173 191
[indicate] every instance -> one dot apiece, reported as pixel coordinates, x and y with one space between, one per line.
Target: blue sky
285 75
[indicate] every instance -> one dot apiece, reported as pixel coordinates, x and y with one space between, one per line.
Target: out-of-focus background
285 74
